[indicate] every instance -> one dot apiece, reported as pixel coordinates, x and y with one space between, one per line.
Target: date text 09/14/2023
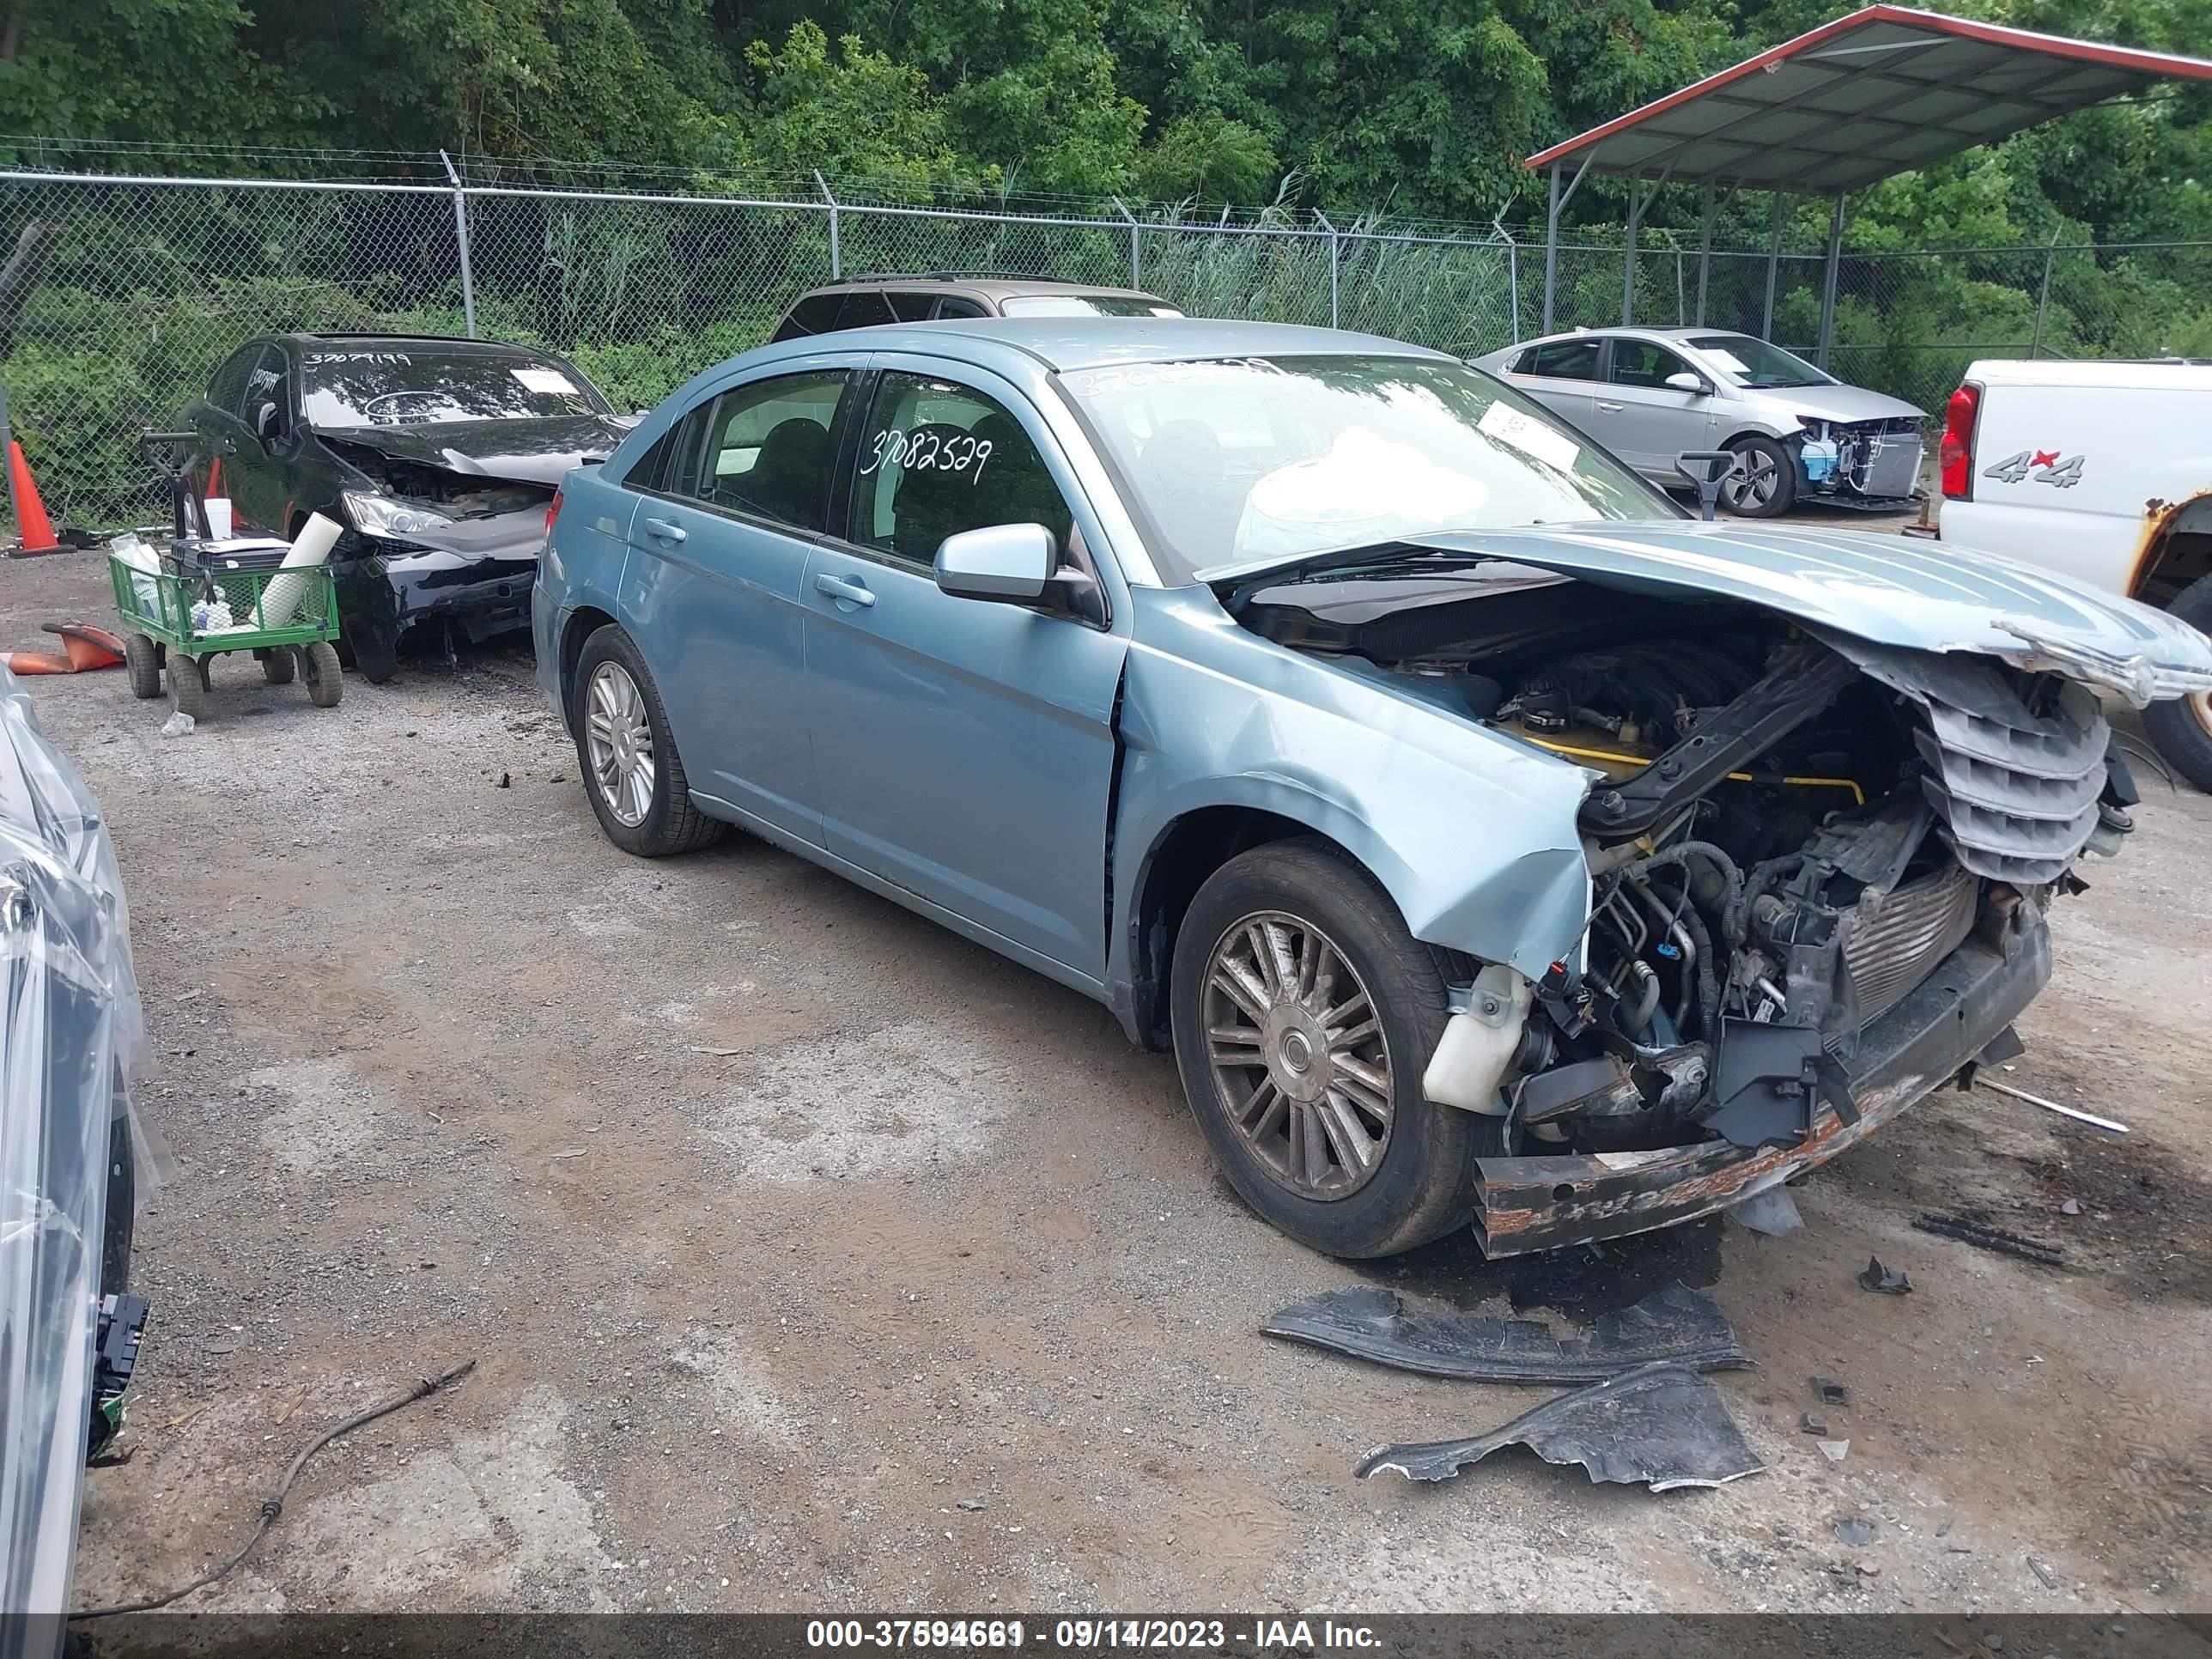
1200 1635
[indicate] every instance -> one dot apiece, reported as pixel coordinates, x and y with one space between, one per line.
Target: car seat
1016 487
787 475
929 503
1187 471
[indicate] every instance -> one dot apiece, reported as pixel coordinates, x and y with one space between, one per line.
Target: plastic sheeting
71 1031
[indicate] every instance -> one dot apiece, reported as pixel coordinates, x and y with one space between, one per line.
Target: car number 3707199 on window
2044 464
920 452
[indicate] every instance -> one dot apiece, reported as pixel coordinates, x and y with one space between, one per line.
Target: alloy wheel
1751 483
1300 1065
618 738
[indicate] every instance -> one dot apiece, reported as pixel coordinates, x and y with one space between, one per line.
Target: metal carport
1882 91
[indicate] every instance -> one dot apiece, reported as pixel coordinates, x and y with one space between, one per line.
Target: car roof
302 338
995 286
1071 343
1636 331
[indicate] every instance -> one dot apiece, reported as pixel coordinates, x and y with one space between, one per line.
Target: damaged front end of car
1811 905
436 544
1873 464
1818 873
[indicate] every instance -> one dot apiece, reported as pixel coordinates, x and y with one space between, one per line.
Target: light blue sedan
1493 844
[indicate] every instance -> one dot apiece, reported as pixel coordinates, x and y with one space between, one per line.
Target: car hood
1922 596
537 451
1836 403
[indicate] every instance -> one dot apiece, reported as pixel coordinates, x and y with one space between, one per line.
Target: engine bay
1785 834
455 495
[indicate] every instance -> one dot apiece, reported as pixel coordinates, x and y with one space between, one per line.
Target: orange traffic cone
88 647
37 530
85 646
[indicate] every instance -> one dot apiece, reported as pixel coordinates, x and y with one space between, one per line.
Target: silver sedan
1651 394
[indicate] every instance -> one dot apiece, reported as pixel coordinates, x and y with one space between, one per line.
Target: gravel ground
816 1259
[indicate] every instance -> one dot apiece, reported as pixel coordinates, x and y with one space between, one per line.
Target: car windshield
1085 305
411 385
1757 365
1249 460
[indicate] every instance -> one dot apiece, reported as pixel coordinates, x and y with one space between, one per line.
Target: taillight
1956 457
553 512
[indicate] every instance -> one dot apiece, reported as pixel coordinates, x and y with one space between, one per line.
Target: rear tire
142 661
1337 1185
187 684
2182 729
1763 483
615 707
325 683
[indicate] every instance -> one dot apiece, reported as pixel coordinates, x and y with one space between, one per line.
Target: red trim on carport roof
2164 65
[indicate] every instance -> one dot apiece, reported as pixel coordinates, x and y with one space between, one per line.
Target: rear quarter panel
581 568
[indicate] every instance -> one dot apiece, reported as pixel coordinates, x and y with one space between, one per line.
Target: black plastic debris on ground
1674 1324
1580 1283
1882 1280
1660 1425
1831 1392
1982 1237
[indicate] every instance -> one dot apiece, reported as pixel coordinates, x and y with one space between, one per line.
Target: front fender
1472 835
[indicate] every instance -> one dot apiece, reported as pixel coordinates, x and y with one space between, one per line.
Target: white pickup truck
2102 471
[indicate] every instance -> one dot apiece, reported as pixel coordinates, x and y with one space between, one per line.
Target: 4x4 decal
2043 464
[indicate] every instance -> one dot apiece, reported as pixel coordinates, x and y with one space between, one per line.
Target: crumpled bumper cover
1531 1203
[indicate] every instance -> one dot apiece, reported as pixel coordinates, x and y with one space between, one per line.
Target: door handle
849 590
1610 409
665 529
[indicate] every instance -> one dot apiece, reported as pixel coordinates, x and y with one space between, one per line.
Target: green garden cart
200 598
201 601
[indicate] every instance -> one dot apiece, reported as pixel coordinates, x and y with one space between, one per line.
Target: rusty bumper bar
1531 1203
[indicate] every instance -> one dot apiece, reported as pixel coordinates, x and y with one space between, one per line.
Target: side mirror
1686 381
266 425
1013 563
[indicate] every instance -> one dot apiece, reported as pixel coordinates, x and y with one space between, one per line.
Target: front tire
187 684
1304 1014
326 682
142 661
1763 483
632 772
2183 729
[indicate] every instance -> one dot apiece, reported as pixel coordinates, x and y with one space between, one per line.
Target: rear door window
815 314
864 308
909 307
769 449
955 305
226 389
1561 360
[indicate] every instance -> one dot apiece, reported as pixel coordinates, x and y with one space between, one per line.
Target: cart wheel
143 658
187 684
325 684
278 665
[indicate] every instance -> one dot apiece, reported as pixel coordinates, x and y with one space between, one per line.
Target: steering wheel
370 407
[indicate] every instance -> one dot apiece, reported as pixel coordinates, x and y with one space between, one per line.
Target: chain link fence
127 291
